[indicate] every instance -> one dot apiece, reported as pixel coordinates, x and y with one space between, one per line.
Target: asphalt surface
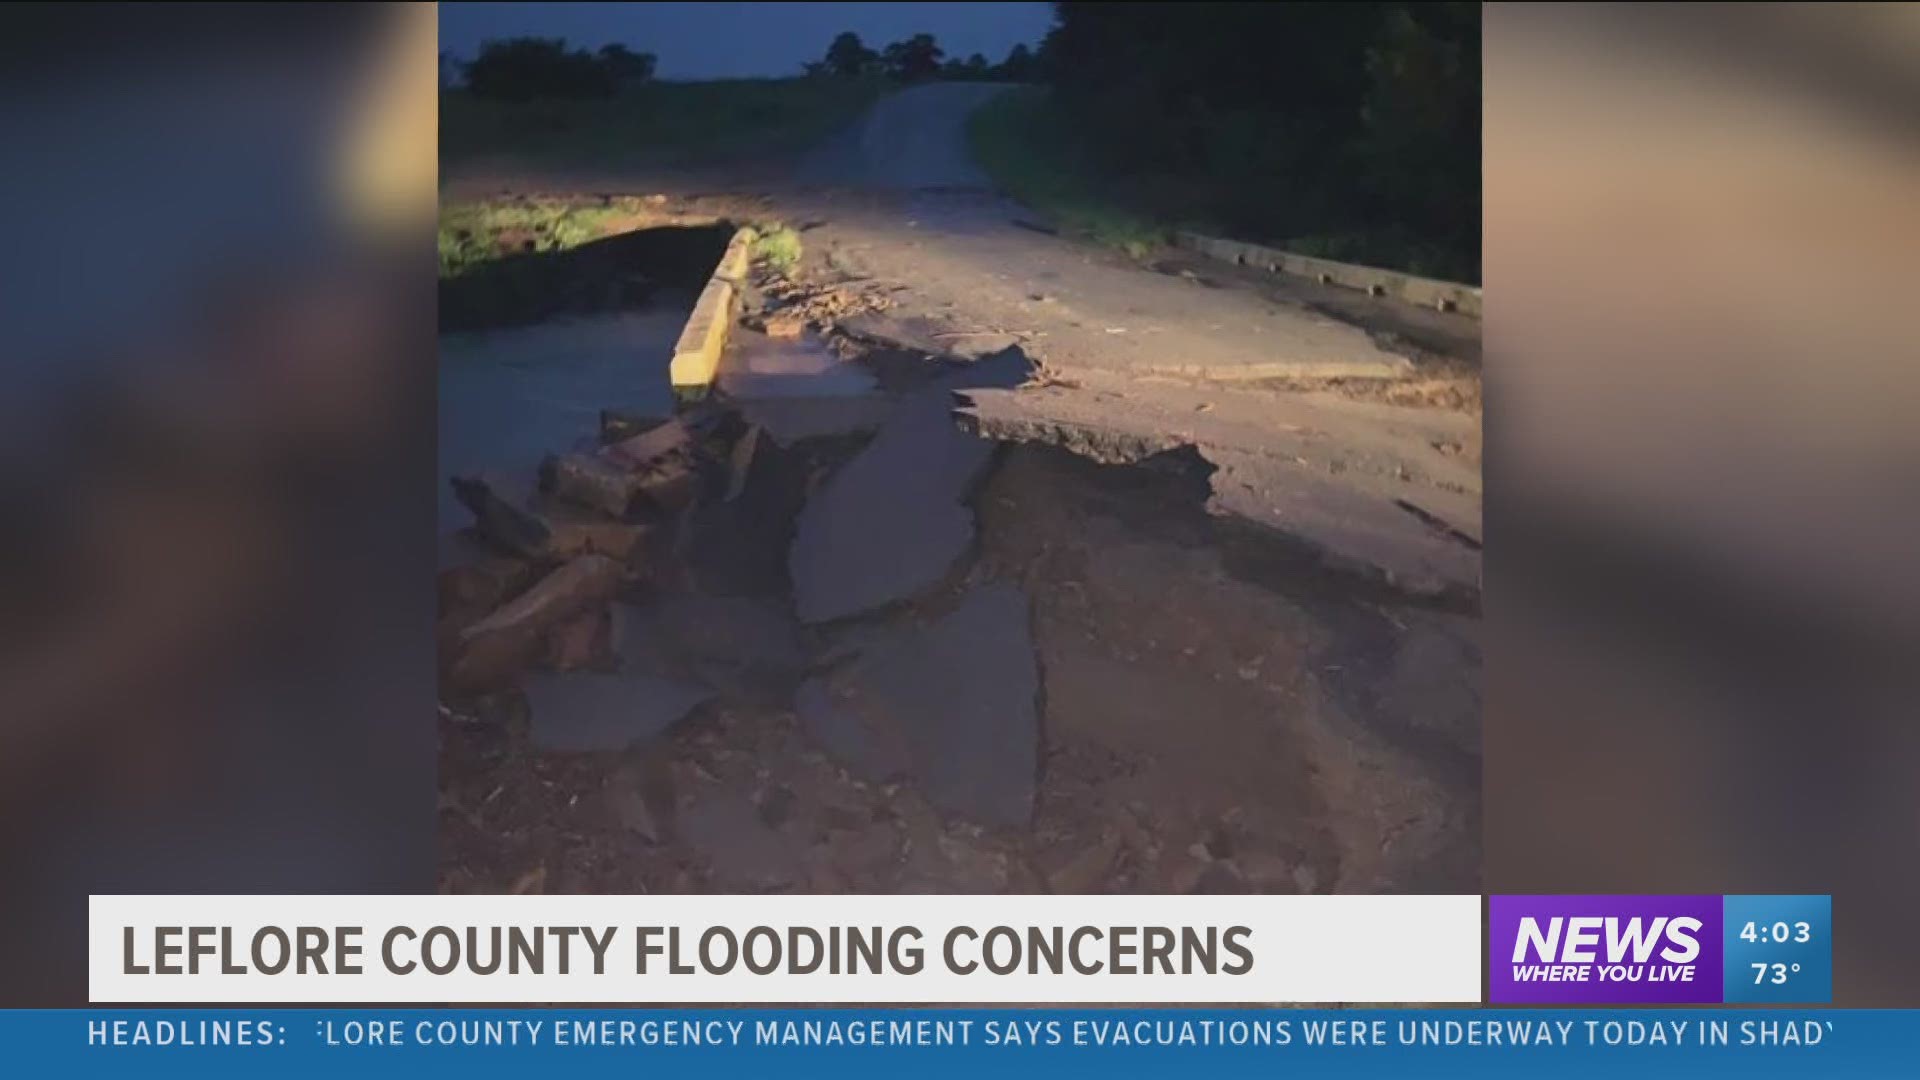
1139 352
913 139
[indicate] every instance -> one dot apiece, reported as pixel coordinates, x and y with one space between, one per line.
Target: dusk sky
722 40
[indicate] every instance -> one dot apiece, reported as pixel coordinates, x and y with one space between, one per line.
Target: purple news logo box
1605 950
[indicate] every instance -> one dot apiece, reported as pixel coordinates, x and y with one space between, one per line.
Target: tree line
917 59
524 68
1353 125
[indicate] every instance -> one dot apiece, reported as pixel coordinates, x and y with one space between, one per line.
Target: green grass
473 233
778 245
1031 150
670 123
1035 151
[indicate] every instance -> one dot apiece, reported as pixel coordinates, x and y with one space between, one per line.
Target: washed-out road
1095 660
1146 356
1140 354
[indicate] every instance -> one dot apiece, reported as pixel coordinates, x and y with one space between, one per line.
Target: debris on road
499 519
815 304
786 325
573 532
490 651
651 445
590 481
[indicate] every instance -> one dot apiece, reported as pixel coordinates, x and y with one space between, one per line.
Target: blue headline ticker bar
890 1042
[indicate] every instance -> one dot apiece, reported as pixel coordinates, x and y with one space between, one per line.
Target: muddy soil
1209 724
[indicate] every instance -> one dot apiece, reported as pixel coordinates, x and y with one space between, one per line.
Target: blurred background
217 307
1703 471
217 301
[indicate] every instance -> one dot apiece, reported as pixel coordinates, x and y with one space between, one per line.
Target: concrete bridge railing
1427 292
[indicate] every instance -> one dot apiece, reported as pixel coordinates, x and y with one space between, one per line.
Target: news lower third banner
850 1043
439 950
910 960
784 949
1660 950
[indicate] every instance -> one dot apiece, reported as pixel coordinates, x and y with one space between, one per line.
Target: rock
668 483
592 711
617 425
557 532
580 584
492 650
482 585
950 706
501 520
590 481
890 524
786 325
578 642
584 533
669 437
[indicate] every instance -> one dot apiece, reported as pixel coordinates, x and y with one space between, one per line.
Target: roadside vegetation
1027 144
651 122
474 233
1348 131
778 245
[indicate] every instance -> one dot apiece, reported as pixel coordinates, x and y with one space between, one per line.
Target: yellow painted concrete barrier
696 356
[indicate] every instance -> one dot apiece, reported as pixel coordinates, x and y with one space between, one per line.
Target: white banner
784 949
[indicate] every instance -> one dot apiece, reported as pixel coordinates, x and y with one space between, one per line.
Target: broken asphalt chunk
490 652
499 519
951 706
591 711
648 446
891 523
590 481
